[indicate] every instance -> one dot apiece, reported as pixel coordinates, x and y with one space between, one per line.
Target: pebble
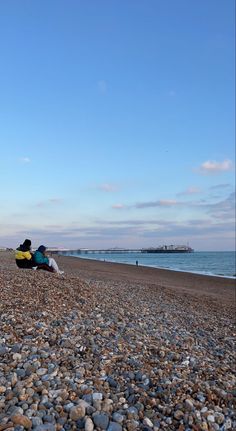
117 417
178 414
89 425
73 355
77 412
45 427
101 420
114 426
148 422
21 420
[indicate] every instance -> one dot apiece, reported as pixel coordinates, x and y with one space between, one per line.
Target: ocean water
215 263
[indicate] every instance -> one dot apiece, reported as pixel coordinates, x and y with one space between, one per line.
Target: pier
109 250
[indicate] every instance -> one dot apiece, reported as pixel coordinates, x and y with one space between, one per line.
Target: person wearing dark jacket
23 255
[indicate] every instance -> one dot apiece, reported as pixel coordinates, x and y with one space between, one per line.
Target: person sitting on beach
23 255
41 258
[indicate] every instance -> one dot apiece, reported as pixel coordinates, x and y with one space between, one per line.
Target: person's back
23 255
39 256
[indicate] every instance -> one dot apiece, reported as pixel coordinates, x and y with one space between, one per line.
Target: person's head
27 244
42 249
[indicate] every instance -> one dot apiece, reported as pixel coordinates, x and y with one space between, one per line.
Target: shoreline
198 285
232 277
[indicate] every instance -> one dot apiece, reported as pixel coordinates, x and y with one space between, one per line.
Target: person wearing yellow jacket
23 255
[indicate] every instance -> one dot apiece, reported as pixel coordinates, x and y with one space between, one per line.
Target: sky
117 123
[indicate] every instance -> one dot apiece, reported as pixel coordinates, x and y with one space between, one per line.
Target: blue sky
117 123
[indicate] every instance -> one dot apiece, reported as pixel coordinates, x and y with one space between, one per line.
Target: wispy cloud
220 186
150 204
109 234
223 210
189 191
49 202
107 187
213 167
24 160
158 203
118 206
213 227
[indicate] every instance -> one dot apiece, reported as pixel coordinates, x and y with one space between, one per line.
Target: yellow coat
19 255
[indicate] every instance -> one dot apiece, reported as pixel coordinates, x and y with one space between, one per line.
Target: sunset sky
117 123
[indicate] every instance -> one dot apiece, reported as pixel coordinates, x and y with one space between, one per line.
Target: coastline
222 288
157 267
115 347
219 264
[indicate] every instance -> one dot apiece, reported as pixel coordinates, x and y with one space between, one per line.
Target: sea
214 263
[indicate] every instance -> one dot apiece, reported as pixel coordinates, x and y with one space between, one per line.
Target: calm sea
221 263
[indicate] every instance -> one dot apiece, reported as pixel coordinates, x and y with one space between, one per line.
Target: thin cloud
166 229
213 167
159 203
24 160
126 233
190 191
109 188
168 203
118 206
150 204
223 210
220 186
49 202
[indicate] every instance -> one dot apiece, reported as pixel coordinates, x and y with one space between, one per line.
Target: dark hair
27 243
42 248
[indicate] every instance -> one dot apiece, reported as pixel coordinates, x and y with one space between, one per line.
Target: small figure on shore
40 258
24 256
136 262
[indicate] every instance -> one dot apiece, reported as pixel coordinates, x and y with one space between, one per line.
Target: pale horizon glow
117 123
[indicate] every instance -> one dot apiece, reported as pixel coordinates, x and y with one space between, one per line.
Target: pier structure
162 249
109 250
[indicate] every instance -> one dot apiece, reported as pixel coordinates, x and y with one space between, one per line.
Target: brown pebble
22 420
6 426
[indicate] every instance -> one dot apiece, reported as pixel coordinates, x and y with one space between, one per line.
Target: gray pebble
114 426
101 420
117 417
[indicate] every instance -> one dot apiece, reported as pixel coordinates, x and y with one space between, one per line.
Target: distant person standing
40 258
24 256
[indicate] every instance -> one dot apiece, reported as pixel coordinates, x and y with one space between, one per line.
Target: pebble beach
115 347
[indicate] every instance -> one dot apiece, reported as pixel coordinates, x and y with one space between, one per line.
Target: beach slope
115 347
